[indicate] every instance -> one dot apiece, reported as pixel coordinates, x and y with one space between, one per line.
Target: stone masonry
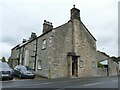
68 50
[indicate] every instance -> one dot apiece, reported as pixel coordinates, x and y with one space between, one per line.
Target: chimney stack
75 13
24 40
47 26
33 35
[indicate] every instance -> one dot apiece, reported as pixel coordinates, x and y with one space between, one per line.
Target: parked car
22 71
5 71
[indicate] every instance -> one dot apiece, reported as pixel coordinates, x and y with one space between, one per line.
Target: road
103 82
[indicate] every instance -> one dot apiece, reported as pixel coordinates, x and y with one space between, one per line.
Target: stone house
25 52
68 50
110 67
14 58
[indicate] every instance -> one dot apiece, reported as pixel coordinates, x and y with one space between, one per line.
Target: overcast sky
18 18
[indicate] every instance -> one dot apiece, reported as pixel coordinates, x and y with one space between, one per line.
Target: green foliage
3 59
100 65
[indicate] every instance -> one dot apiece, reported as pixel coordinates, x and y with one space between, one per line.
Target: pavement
39 82
36 78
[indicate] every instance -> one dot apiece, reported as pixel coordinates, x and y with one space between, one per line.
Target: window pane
39 65
44 44
93 64
81 64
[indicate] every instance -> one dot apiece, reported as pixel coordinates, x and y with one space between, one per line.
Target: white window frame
50 40
39 65
34 42
93 64
33 64
44 44
34 48
81 64
17 53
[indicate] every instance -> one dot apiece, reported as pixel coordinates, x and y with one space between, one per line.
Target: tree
100 65
3 59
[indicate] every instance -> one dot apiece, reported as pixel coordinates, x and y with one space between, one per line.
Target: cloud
10 40
5 49
21 17
102 22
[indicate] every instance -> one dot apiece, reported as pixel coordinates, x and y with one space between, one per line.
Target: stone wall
14 53
113 68
101 72
62 44
14 58
54 56
18 54
44 55
85 47
29 57
100 56
51 57
69 37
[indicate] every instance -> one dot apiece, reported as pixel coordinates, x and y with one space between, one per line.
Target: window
81 63
34 53
50 41
33 65
34 42
17 53
35 45
39 65
34 48
93 64
44 44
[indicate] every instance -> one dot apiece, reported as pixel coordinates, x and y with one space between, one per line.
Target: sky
18 18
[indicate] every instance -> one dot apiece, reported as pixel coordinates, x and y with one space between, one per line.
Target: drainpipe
35 55
19 57
23 55
107 71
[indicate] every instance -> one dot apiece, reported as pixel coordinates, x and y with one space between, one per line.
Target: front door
74 66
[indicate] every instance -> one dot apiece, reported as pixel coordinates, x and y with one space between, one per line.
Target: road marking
12 80
53 83
27 85
37 84
98 83
92 84
16 80
115 81
60 89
